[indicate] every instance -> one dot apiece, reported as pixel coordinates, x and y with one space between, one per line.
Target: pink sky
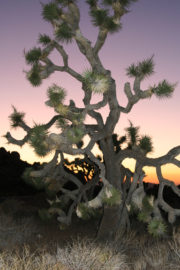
152 27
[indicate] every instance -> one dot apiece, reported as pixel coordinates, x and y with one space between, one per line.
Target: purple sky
152 27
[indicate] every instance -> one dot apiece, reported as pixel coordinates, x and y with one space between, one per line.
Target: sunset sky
152 27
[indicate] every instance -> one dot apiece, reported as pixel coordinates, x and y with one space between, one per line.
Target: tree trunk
109 223
115 218
114 223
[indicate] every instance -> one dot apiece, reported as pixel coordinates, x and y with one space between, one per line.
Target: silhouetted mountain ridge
11 170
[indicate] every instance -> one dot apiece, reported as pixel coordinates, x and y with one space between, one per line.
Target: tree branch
145 161
134 98
172 213
14 141
47 168
102 35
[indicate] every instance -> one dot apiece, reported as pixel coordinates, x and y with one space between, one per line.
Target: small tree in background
121 189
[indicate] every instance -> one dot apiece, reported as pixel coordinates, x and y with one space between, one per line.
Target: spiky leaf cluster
33 56
147 209
112 197
62 109
117 143
156 227
77 119
64 33
33 75
16 118
64 2
144 217
163 90
36 182
56 95
97 83
108 2
61 123
127 3
44 39
111 25
133 209
85 212
101 18
92 3
145 143
142 69
124 3
75 134
51 12
132 133
37 140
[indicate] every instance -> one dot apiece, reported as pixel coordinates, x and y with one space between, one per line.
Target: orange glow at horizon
170 172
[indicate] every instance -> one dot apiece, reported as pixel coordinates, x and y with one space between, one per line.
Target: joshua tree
121 188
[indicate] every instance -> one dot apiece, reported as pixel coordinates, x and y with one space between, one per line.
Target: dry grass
79 255
86 254
27 244
29 261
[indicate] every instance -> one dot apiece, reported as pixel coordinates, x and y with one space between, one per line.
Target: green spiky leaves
97 83
117 142
33 55
156 227
132 132
33 75
111 25
85 212
56 95
101 18
37 182
61 123
142 69
147 209
51 12
163 90
64 2
108 2
75 134
64 33
92 3
127 3
44 39
145 143
124 3
112 196
16 118
37 140
77 119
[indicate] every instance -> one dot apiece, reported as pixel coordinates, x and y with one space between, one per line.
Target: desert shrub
86 254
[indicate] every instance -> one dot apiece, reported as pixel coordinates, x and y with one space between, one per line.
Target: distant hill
11 170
